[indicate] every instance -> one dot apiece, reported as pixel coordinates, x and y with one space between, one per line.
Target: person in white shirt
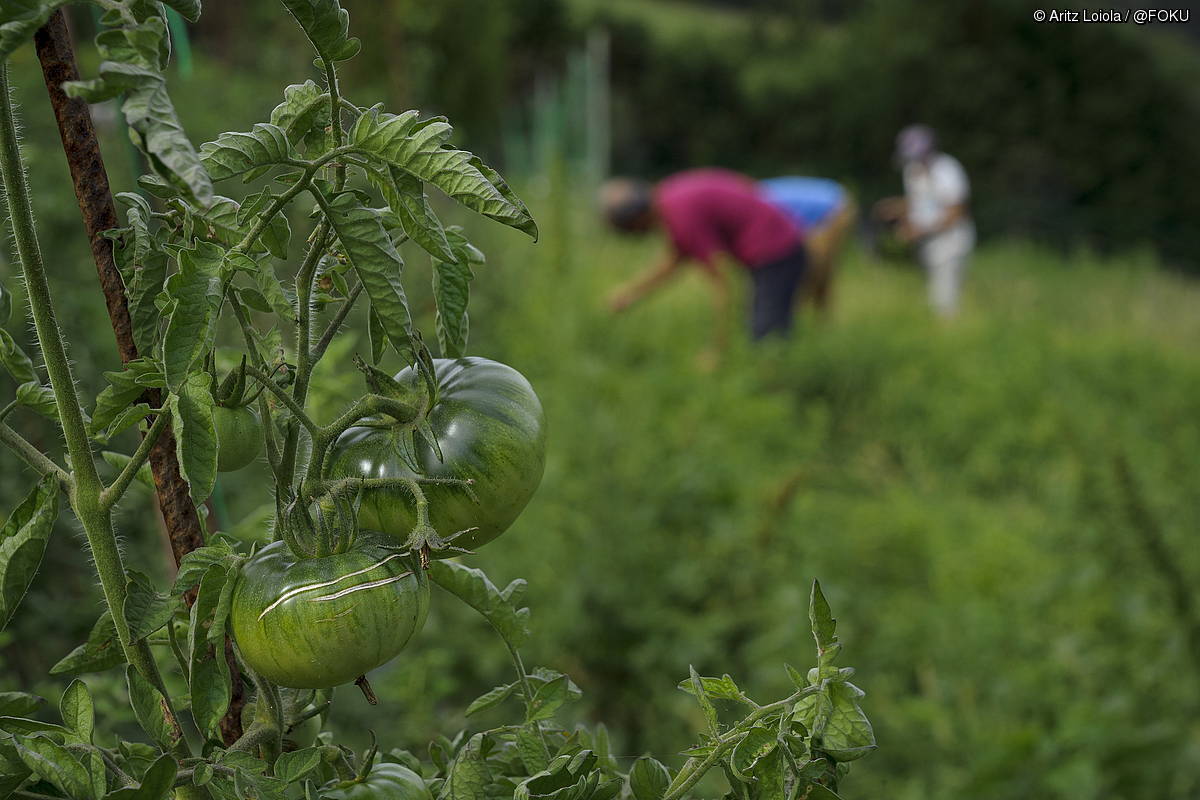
934 214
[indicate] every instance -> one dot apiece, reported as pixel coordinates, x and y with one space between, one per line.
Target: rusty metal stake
82 149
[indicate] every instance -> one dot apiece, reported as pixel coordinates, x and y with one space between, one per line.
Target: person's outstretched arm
647 282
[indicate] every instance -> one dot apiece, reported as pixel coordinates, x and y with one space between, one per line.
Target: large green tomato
239 437
384 782
314 623
491 429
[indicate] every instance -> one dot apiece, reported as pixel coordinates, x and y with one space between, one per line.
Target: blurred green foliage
952 486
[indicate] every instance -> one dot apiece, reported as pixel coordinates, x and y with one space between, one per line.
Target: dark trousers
775 287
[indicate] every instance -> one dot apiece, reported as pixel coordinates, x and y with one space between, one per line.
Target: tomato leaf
475 589
491 698
234 153
154 126
839 726
228 225
146 610
547 699
210 683
124 387
101 651
195 435
291 767
452 292
118 462
78 711
649 779
19 703
722 688
758 743
417 148
157 782
710 713
379 266
304 115
31 393
194 565
20 18
23 543
327 25
824 628
377 336
468 777
267 282
194 294
56 765
149 708
405 196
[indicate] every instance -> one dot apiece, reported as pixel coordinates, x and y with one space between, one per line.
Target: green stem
335 325
86 487
264 409
726 742
335 118
297 411
110 496
32 456
263 220
527 689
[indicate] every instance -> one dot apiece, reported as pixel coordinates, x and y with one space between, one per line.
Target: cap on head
914 143
626 203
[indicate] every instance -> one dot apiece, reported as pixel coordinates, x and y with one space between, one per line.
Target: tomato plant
452 444
488 430
385 781
318 622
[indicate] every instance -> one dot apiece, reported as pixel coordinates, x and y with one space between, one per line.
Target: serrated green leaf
124 387
838 724
195 435
144 43
38 398
14 360
227 225
195 298
210 682
157 782
405 196
821 618
235 153
649 779
195 564
769 777
101 651
547 699
378 265
304 116
56 764
143 267
758 743
327 26
468 776
531 750
154 125
23 543
20 18
491 698
19 704
146 610
376 335
722 688
417 148
291 767
150 710
710 713
525 222
452 293
475 589
267 282
77 710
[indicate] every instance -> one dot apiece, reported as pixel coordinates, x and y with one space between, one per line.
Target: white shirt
932 188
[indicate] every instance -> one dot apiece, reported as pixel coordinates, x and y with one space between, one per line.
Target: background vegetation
1010 594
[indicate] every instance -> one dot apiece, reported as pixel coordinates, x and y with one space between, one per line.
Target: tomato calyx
332 532
231 391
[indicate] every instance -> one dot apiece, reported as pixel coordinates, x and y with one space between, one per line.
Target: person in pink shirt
706 214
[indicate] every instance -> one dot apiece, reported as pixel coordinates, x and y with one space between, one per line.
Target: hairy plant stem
33 457
335 324
527 690
264 408
110 496
86 488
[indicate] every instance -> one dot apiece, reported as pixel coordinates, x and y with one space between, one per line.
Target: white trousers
945 257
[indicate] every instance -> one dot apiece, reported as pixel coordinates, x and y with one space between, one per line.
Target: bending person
827 213
707 213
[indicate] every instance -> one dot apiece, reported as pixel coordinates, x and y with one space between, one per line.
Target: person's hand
907 232
620 300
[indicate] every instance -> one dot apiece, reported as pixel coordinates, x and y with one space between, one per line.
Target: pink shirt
709 211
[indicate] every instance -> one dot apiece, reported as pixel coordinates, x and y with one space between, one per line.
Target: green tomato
239 437
491 429
384 782
314 623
